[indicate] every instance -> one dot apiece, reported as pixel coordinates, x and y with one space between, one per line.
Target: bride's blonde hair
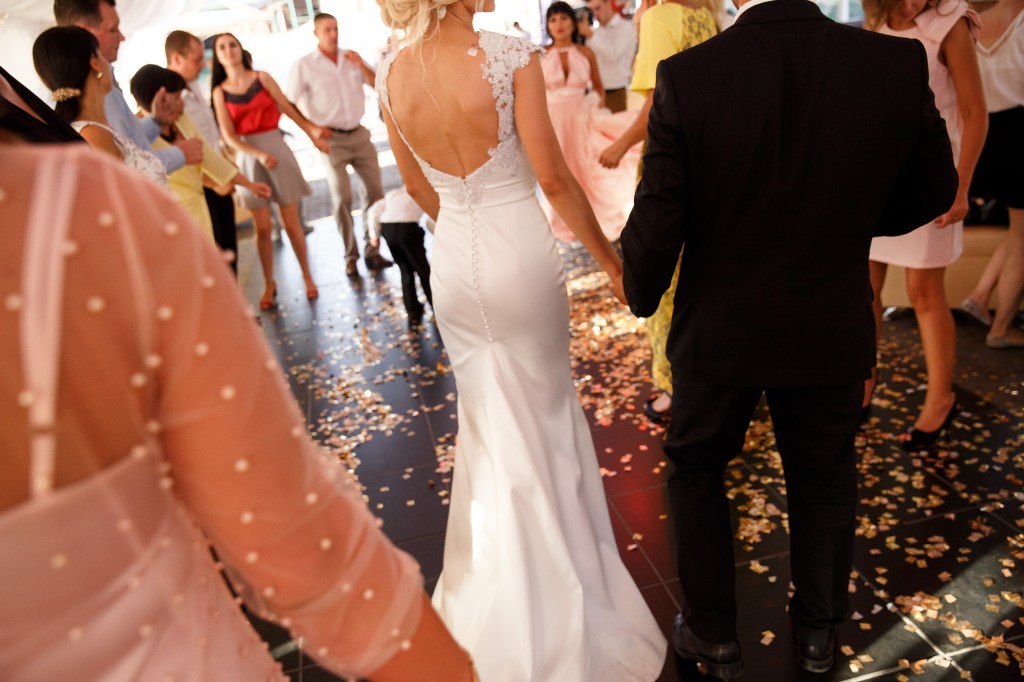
409 20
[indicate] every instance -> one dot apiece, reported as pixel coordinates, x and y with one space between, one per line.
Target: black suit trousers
405 240
814 430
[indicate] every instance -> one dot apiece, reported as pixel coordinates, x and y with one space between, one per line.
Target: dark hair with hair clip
61 56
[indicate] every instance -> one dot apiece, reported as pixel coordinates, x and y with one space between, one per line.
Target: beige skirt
286 182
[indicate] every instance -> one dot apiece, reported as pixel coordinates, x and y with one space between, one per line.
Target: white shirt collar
747 5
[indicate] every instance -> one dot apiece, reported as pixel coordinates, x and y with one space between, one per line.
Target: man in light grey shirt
100 18
614 44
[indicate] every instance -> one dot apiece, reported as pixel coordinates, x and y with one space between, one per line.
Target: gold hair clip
64 94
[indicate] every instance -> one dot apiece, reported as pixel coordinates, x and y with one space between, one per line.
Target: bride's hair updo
411 19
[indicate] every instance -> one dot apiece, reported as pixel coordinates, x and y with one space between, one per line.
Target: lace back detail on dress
503 56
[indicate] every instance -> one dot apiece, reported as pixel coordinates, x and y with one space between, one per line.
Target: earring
99 75
442 12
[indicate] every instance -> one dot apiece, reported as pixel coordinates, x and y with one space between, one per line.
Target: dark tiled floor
937 587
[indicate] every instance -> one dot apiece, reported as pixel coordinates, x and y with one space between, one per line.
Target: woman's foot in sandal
269 298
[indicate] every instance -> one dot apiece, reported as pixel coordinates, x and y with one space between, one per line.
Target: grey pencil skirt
286 182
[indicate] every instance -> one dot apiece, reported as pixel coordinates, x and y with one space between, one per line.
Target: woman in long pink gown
584 128
145 419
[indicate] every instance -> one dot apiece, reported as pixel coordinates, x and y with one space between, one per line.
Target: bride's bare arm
555 178
416 184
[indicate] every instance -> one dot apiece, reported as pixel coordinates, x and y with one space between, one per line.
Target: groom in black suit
777 150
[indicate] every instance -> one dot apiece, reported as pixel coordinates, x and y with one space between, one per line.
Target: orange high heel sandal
268 302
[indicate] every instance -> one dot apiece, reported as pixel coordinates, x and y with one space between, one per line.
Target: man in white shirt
186 57
327 86
614 44
100 18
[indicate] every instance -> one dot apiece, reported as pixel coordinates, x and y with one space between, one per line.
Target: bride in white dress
532 583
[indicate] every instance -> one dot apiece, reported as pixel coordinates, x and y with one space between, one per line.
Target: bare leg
265 249
989 277
1011 279
293 227
877 274
927 293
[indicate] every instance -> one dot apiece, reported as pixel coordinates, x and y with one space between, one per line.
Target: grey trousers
352 149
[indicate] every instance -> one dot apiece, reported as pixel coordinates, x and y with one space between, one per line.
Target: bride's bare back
441 101
441 105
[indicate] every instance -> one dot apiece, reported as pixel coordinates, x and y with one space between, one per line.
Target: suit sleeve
654 234
926 185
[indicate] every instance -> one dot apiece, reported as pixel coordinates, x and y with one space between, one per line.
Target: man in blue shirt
100 18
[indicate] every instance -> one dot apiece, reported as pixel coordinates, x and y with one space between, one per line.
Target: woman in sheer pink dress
145 419
575 98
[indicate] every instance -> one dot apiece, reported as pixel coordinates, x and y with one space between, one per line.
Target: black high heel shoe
657 416
924 440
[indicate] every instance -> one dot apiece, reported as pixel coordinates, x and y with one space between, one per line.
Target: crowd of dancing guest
100 18
209 462
186 57
187 182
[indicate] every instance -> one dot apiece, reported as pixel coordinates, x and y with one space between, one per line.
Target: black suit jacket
13 119
776 151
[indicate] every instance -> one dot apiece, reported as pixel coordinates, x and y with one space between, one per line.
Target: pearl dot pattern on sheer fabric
103 307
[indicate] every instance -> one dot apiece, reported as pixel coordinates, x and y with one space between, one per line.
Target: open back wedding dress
532 583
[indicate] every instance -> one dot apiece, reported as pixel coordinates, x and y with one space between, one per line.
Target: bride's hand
619 290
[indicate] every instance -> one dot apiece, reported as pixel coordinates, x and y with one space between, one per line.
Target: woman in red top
249 104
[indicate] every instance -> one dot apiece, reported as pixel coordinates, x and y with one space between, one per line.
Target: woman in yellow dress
214 170
665 29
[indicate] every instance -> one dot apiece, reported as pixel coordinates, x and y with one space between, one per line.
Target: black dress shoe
720 660
816 650
377 263
923 440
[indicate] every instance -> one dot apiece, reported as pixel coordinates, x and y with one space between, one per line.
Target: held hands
957 211
619 290
193 150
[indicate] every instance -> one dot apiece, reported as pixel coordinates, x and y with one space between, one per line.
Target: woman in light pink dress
584 127
946 29
145 419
